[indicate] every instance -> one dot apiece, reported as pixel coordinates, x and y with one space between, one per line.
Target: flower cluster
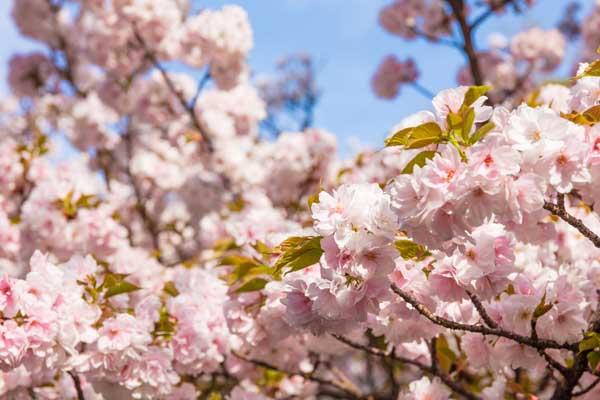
155 245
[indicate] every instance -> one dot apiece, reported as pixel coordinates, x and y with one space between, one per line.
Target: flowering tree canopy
174 252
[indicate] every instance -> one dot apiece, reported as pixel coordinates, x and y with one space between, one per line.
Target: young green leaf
473 93
120 287
410 250
592 114
445 356
481 132
416 137
542 308
398 138
591 341
424 135
454 142
252 285
594 359
298 253
420 160
313 198
467 124
171 289
593 69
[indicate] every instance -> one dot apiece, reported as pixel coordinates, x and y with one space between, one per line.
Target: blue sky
347 42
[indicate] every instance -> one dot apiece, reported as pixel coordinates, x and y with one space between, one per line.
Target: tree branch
535 343
424 368
576 223
458 10
587 389
139 198
165 75
488 13
481 310
422 90
77 383
352 393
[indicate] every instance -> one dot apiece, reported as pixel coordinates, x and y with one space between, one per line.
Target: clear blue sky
343 35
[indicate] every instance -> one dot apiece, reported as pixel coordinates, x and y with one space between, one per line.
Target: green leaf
592 114
237 204
223 245
171 289
454 142
454 121
591 341
271 378
481 132
593 358
298 253
398 138
377 341
593 69
424 135
445 356
474 93
262 248
467 124
410 250
237 260
165 326
542 308
120 288
416 137
244 269
420 160
313 199
87 201
252 285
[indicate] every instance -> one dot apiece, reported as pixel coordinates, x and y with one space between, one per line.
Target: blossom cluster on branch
154 245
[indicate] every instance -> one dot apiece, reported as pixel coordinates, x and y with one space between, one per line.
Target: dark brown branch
459 12
488 13
424 368
481 310
77 383
207 142
564 390
573 221
535 343
587 389
553 363
308 376
433 354
435 39
140 205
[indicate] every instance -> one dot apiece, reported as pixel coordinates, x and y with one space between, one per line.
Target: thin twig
481 310
425 368
573 221
587 389
535 343
77 383
148 221
488 13
308 376
178 94
435 39
201 84
422 90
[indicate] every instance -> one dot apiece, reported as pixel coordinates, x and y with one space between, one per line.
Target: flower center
562 160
